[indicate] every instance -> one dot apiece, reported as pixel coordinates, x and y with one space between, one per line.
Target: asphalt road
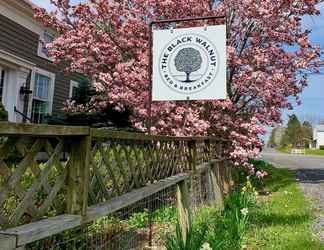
308 168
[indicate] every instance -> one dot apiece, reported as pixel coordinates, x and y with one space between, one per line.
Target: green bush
162 215
3 113
139 220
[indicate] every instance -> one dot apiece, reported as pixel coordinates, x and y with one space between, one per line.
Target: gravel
312 184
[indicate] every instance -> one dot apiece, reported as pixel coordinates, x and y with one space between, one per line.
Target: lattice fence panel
203 152
118 166
32 182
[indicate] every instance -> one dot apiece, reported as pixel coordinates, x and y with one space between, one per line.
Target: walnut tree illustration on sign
188 60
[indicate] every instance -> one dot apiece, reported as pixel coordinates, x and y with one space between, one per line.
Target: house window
43 97
73 88
44 40
2 80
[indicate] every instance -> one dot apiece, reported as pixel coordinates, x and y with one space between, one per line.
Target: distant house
31 86
319 136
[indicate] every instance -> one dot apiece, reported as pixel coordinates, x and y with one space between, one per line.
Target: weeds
194 240
220 229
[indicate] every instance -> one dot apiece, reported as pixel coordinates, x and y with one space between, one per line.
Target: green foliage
194 240
162 215
256 182
139 220
220 229
308 151
297 134
307 133
84 92
272 140
283 219
101 116
237 207
3 113
165 214
293 133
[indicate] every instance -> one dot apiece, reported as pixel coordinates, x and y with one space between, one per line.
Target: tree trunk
188 76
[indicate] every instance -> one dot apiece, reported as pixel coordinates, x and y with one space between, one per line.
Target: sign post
187 63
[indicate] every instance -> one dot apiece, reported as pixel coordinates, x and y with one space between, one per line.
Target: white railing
298 151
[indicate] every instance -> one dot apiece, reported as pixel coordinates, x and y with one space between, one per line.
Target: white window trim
52 86
72 85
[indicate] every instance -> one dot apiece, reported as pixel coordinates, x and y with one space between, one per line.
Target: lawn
284 217
279 217
308 151
315 152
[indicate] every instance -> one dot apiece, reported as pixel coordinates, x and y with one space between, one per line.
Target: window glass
39 110
41 98
42 86
47 38
74 91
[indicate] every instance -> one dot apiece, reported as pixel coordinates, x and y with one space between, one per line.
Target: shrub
3 113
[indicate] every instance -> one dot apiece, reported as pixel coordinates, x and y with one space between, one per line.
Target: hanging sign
189 64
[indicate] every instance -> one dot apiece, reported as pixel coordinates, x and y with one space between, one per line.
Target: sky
46 3
313 97
312 107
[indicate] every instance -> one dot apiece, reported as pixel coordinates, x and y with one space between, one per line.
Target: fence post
7 242
207 151
183 207
215 182
78 176
192 147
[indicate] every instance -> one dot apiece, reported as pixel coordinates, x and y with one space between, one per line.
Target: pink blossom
108 42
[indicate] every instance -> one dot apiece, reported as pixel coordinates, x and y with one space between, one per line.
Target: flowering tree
269 57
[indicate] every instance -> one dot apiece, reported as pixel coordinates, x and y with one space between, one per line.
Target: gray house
31 86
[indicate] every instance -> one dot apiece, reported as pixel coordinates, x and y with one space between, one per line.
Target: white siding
320 139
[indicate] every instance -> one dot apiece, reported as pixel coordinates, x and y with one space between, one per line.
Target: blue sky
46 3
313 97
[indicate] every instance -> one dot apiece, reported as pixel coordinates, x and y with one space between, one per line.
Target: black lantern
24 91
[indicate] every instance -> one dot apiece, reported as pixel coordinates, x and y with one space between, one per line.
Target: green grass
284 150
315 152
308 151
283 219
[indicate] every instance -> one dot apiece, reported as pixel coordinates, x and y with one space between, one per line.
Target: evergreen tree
293 134
272 139
307 133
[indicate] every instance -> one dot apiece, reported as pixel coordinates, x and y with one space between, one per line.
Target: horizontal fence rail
82 173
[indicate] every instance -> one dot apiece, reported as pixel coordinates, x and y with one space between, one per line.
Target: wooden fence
58 177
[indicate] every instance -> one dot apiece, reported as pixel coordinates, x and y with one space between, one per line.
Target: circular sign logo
189 63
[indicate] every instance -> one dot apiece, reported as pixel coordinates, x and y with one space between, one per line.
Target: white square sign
189 63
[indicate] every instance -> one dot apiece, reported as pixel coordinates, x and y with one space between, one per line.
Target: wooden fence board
41 130
115 204
8 242
41 229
